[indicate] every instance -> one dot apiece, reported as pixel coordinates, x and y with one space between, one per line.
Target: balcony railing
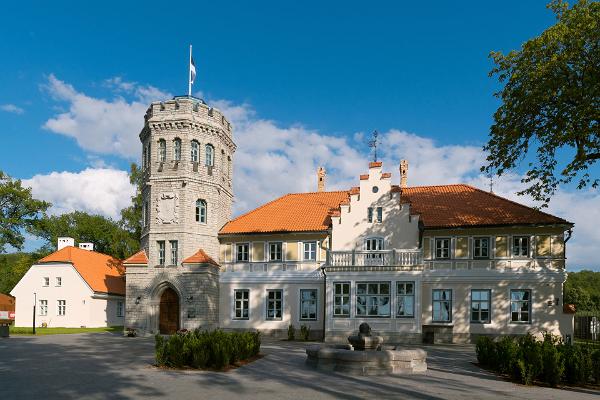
392 258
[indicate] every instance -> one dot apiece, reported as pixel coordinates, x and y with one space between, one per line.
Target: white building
73 287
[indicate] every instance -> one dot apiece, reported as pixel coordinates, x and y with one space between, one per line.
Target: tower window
161 252
195 150
162 150
210 155
229 167
201 211
177 149
174 251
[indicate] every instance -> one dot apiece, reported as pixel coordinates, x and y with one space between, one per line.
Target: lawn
15 330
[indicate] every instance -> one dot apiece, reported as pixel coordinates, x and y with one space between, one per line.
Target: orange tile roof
296 212
200 257
138 258
450 206
102 272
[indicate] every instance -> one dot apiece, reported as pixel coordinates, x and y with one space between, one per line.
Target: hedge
526 359
205 349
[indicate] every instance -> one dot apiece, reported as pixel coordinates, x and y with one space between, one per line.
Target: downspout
324 299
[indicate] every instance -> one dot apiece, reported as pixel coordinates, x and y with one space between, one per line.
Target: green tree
13 266
583 289
131 217
19 212
550 104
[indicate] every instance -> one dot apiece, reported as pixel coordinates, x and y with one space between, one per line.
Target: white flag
192 70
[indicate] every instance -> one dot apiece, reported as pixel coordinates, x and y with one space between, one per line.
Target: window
174 251
148 155
374 244
58 281
161 252
442 248
223 162
210 155
162 150
405 299
177 149
308 304
520 305
146 215
241 303
520 246
379 214
120 309
46 281
242 252
43 307
195 151
341 299
480 305
370 214
62 307
310 251
201 211
481 248
274 304
144 156
144 205
442 305
373 299
275 251
229 167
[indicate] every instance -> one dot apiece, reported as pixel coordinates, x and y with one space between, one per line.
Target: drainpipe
324 299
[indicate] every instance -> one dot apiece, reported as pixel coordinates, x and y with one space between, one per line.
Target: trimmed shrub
596 366
291 332
578 363
506 353
529 363
552 361
304 332
486 351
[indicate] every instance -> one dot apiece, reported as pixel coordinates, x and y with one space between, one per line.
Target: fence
587 327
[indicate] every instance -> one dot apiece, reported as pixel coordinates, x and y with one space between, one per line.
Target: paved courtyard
108 366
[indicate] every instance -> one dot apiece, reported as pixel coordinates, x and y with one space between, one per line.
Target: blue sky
333 72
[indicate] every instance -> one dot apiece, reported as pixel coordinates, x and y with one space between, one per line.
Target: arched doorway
168 321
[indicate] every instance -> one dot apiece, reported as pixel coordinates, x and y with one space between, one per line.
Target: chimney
86 246
321 179
65 242
403 173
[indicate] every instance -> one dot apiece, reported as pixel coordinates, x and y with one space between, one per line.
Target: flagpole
190 73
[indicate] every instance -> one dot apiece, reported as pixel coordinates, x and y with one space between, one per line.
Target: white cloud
99 125
93 190
11 108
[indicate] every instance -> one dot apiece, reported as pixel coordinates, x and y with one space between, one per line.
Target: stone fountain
366 355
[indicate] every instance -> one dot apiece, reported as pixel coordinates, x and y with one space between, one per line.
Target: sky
304 84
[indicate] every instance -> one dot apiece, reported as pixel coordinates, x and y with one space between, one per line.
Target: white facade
64 299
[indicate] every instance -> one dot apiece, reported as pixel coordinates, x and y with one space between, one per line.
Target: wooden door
169 312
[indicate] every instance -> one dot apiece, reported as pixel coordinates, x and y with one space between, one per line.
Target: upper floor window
442 305
374 244
146 214
148 154
223 162
161 252
46 281
229 167
520 246
520 305
162 150
58 281
481 247
405 299
379 214
210 155
275 251
310 251
177 149
144 156
195 151
373 299
370 214
442 248
201 211
243 252
174 251
341 299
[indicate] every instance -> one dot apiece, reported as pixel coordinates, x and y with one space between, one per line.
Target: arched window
195 150
162 150
201 211
210 155
177 149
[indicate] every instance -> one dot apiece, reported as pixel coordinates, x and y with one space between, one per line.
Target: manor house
436 263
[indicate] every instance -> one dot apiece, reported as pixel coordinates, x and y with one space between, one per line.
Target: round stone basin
388 360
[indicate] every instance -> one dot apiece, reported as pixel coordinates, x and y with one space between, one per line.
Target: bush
204 349
552 361
291 332
486 351
304 332
596 366
578 363
529 363
506 353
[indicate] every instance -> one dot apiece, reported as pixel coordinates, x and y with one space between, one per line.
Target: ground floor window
242 303
43 307
274 304
520 305
62 307
442 305
341 299
120 309
405 299
308 304
373 299
480 305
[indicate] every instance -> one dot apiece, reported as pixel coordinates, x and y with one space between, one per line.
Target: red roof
451 206
102 272
200 257
138 258
297 212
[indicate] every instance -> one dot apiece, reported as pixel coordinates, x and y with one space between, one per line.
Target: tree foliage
19 212
13 266
131 217
583 289
550 103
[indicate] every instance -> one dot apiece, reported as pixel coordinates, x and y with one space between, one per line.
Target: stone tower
187 166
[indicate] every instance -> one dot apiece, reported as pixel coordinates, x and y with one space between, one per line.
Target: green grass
15 330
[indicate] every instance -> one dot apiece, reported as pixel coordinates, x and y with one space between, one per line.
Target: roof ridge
327 192
429 186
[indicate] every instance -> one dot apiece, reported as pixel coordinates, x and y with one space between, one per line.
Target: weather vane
373 144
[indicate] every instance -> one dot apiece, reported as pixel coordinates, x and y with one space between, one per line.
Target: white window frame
209 151
195 151
519 311
373 299
177 149
162 252
441 301
309 301
162 150
481 248
520 247
46 281
479 302
438 255
120 308
275 249
341 296
312 249
43 307
370 214
241 304
61 309
201 211
174 245
58 281
275 300
402 294
246 253
379 215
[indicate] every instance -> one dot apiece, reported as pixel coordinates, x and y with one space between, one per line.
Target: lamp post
34 303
